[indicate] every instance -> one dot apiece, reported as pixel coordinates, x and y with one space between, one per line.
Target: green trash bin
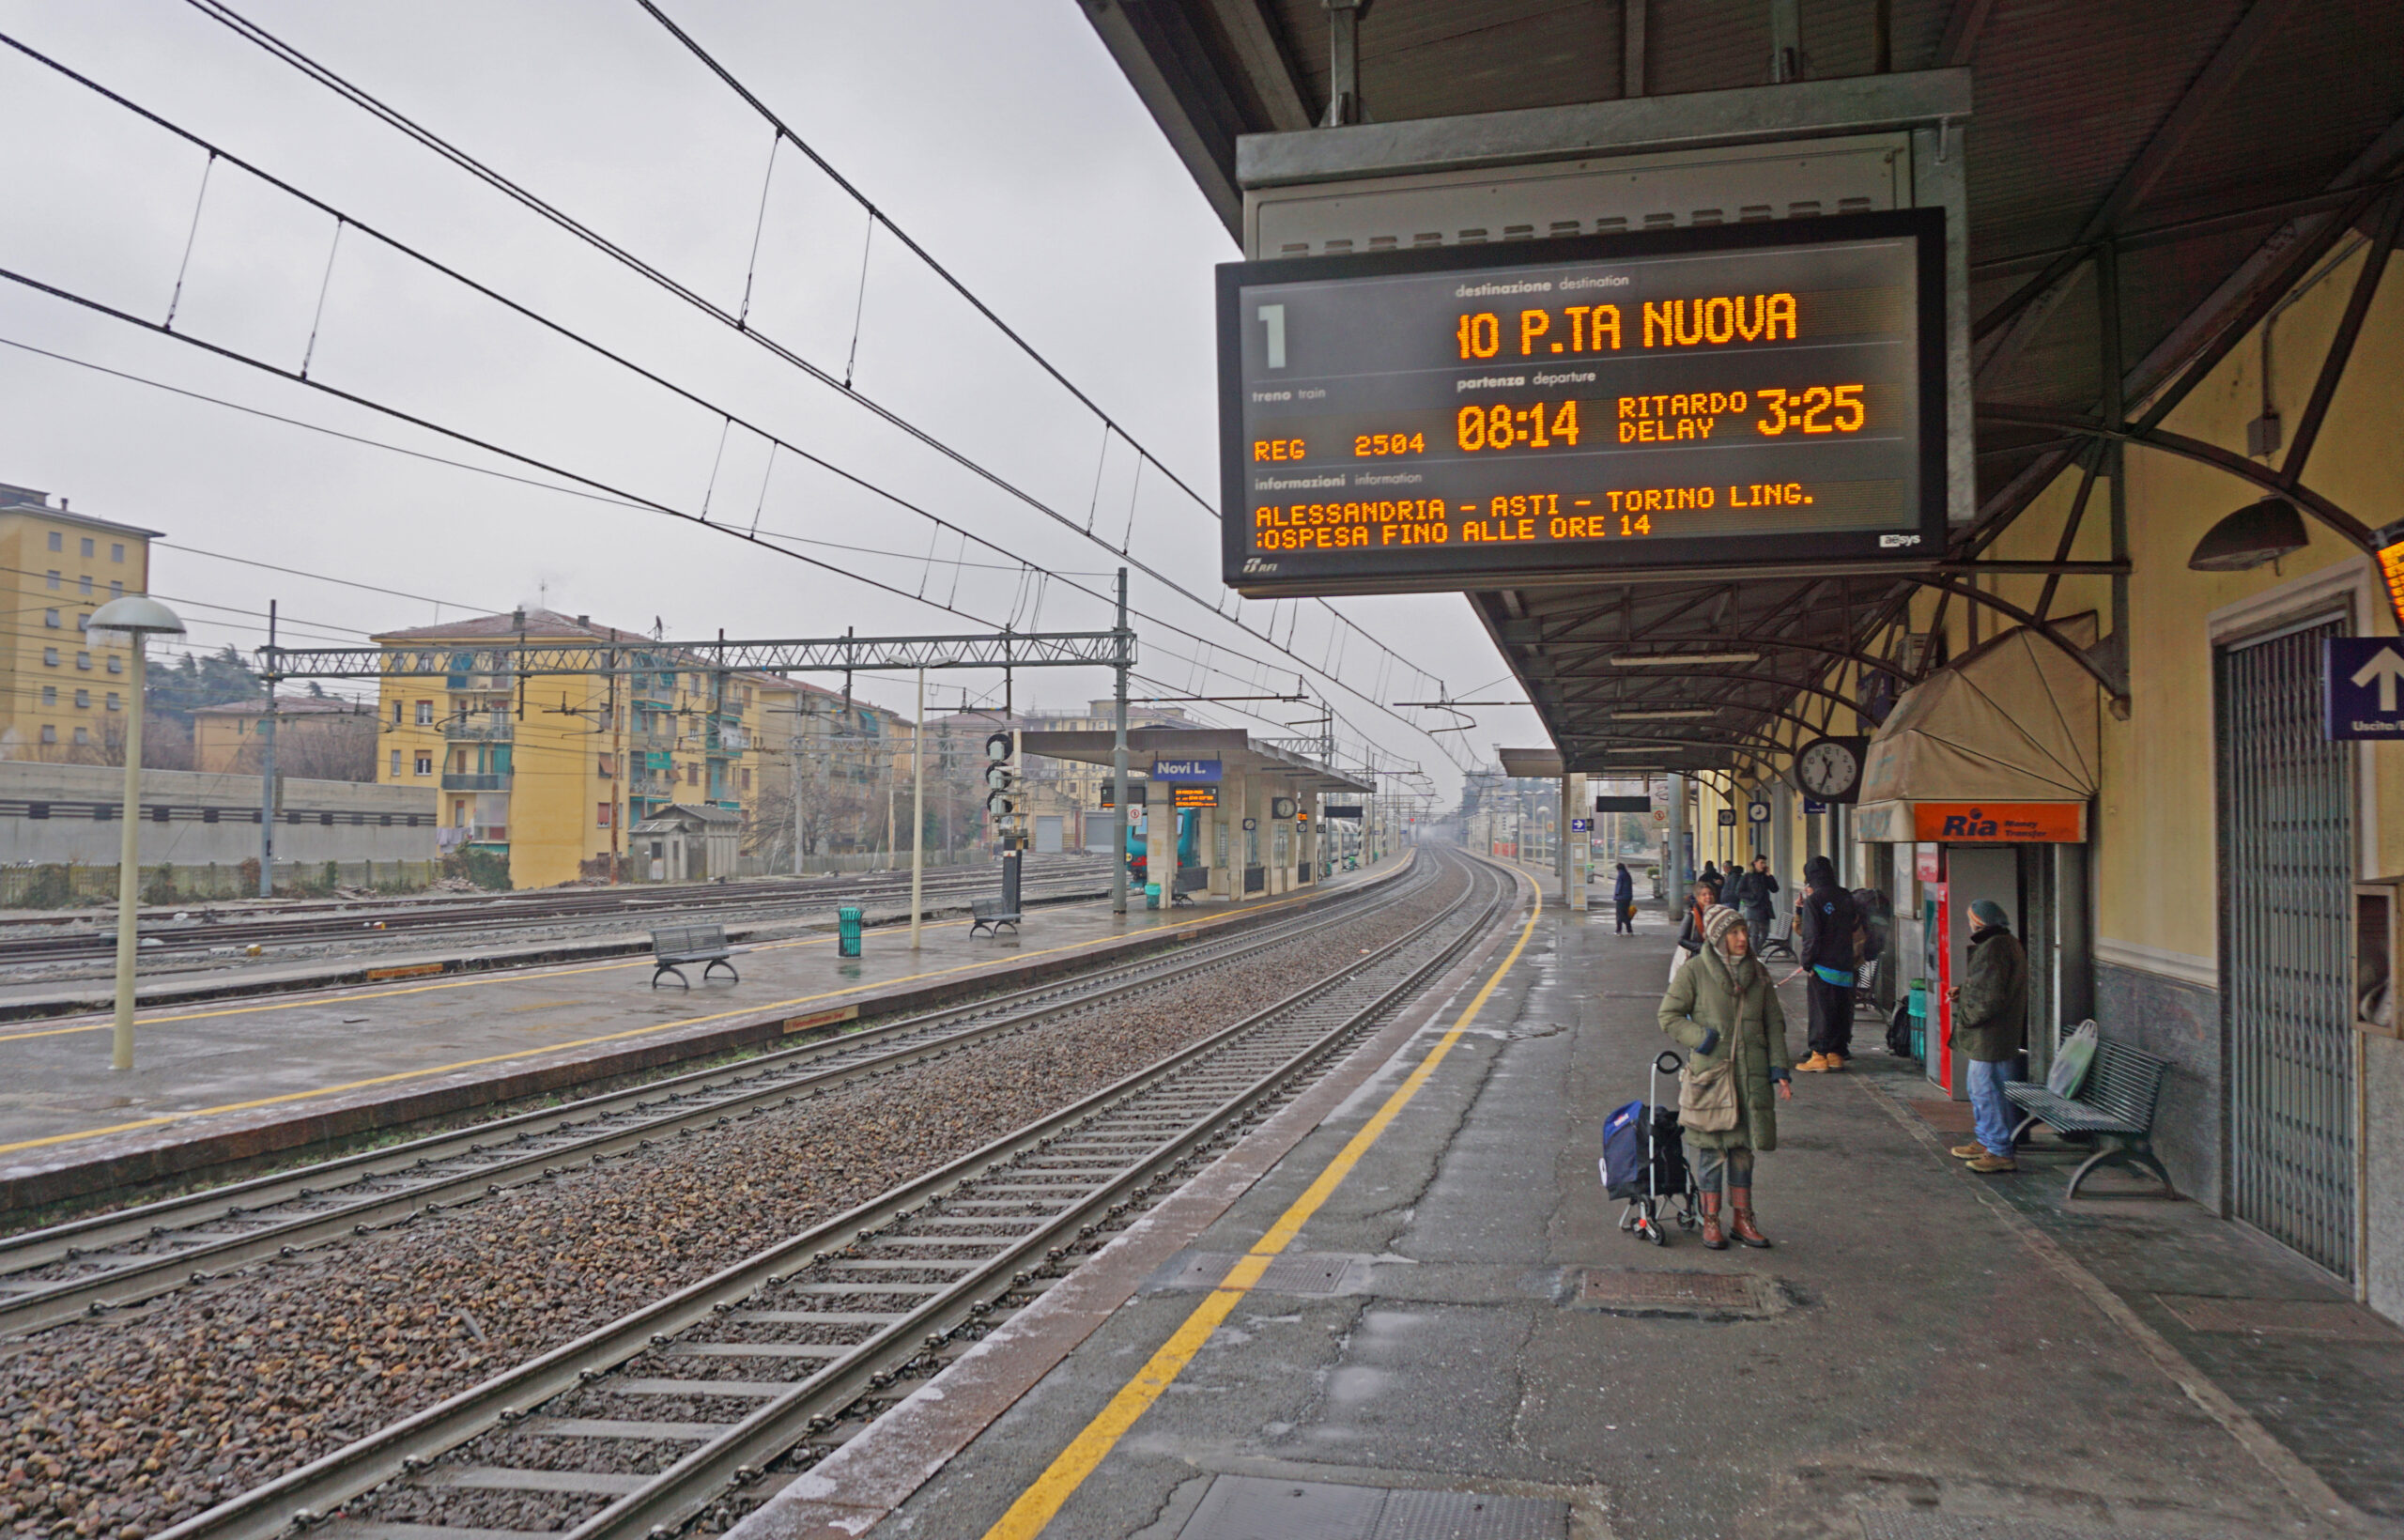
847 930
1152 895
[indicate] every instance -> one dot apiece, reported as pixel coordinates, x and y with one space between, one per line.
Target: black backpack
1899 1030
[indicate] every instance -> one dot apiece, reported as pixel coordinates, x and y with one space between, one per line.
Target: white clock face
1828 769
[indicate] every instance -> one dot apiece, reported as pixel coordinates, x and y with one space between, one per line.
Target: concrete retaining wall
67 815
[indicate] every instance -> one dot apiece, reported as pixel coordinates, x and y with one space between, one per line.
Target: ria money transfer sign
1751 395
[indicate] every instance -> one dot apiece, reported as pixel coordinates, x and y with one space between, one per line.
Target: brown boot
1712 1238
1740 1216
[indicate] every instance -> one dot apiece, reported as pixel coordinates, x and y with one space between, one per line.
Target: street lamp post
137 616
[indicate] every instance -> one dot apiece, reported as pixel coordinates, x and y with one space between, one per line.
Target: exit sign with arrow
2359 679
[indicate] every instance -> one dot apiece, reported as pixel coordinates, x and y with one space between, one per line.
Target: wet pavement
1459 1340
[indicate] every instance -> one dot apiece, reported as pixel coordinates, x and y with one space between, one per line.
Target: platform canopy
2212 153
1236 753
1531 764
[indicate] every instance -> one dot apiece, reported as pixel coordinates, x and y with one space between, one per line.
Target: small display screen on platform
1453 417
1196 796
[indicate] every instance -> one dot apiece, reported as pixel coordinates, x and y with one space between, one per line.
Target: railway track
708 1399
783 898
112 1261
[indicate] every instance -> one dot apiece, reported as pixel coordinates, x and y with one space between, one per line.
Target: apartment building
551 770
64 693
316 738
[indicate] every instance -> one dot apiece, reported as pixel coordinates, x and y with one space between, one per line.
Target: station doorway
2287 859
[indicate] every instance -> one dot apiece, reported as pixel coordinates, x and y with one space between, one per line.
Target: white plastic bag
2071 1060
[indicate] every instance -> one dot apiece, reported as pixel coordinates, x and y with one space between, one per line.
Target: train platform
352 945
219 1085
1403 1308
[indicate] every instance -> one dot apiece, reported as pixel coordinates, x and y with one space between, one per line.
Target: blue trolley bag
1624 1151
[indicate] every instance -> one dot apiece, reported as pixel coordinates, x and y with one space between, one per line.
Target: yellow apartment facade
549 771
64 693
316 738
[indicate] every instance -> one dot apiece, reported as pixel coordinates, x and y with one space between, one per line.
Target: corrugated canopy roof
2222 146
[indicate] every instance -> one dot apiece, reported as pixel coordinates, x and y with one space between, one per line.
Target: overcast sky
996 132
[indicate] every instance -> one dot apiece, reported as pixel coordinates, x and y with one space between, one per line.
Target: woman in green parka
1723 1005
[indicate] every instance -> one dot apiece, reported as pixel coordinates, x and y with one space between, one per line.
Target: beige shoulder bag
1707 1096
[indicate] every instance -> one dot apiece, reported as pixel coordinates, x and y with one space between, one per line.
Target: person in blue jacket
1623 902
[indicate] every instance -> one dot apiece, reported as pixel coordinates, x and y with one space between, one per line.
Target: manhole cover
2333 1320
1253 1508
1677 1293
1294 1272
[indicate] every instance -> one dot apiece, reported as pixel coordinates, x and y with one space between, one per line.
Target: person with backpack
1623 902
1722 1008
1990 1013
1751 897
1829 925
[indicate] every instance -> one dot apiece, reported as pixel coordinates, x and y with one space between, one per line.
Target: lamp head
136 614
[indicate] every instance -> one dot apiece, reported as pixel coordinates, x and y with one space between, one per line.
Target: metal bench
672 946
990 916
2114 1106
1188 882
1781 940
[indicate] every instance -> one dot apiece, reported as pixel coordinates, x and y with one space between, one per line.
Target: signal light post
1001 800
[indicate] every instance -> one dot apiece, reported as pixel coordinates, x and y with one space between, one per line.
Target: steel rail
736 1451
145 1252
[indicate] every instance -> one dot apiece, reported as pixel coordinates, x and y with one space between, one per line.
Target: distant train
1189 826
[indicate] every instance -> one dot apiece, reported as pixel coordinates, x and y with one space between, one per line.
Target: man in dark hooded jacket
1752 896
1825 922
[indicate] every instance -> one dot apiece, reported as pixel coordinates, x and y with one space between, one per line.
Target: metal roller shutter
2286 842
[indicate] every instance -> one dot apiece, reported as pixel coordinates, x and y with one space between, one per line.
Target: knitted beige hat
1718 920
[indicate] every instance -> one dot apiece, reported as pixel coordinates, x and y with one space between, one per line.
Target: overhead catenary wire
613 493
770 539
286 53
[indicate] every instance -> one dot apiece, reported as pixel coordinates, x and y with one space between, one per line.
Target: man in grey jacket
1990 1015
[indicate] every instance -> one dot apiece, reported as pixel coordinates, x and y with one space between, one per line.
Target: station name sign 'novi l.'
1766 395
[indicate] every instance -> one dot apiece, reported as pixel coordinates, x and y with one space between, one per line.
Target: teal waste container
847 930
1152 895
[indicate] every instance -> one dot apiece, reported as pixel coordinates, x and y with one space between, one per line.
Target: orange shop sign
2001 823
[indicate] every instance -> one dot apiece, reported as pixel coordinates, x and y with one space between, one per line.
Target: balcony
455 780
494 728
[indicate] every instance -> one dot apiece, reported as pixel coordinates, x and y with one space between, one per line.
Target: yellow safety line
165 1118
1036 1505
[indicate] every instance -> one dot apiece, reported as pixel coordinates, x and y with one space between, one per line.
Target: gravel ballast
121 1428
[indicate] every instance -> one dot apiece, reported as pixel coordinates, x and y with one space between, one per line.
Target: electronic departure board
1765 395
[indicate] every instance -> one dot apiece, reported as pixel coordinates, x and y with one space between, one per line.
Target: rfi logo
1889 542
1970 825
1254 563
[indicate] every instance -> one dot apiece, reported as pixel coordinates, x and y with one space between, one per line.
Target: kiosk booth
1978 786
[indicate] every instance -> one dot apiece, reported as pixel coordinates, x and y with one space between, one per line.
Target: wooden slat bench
2115 1104
674 946
990 916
